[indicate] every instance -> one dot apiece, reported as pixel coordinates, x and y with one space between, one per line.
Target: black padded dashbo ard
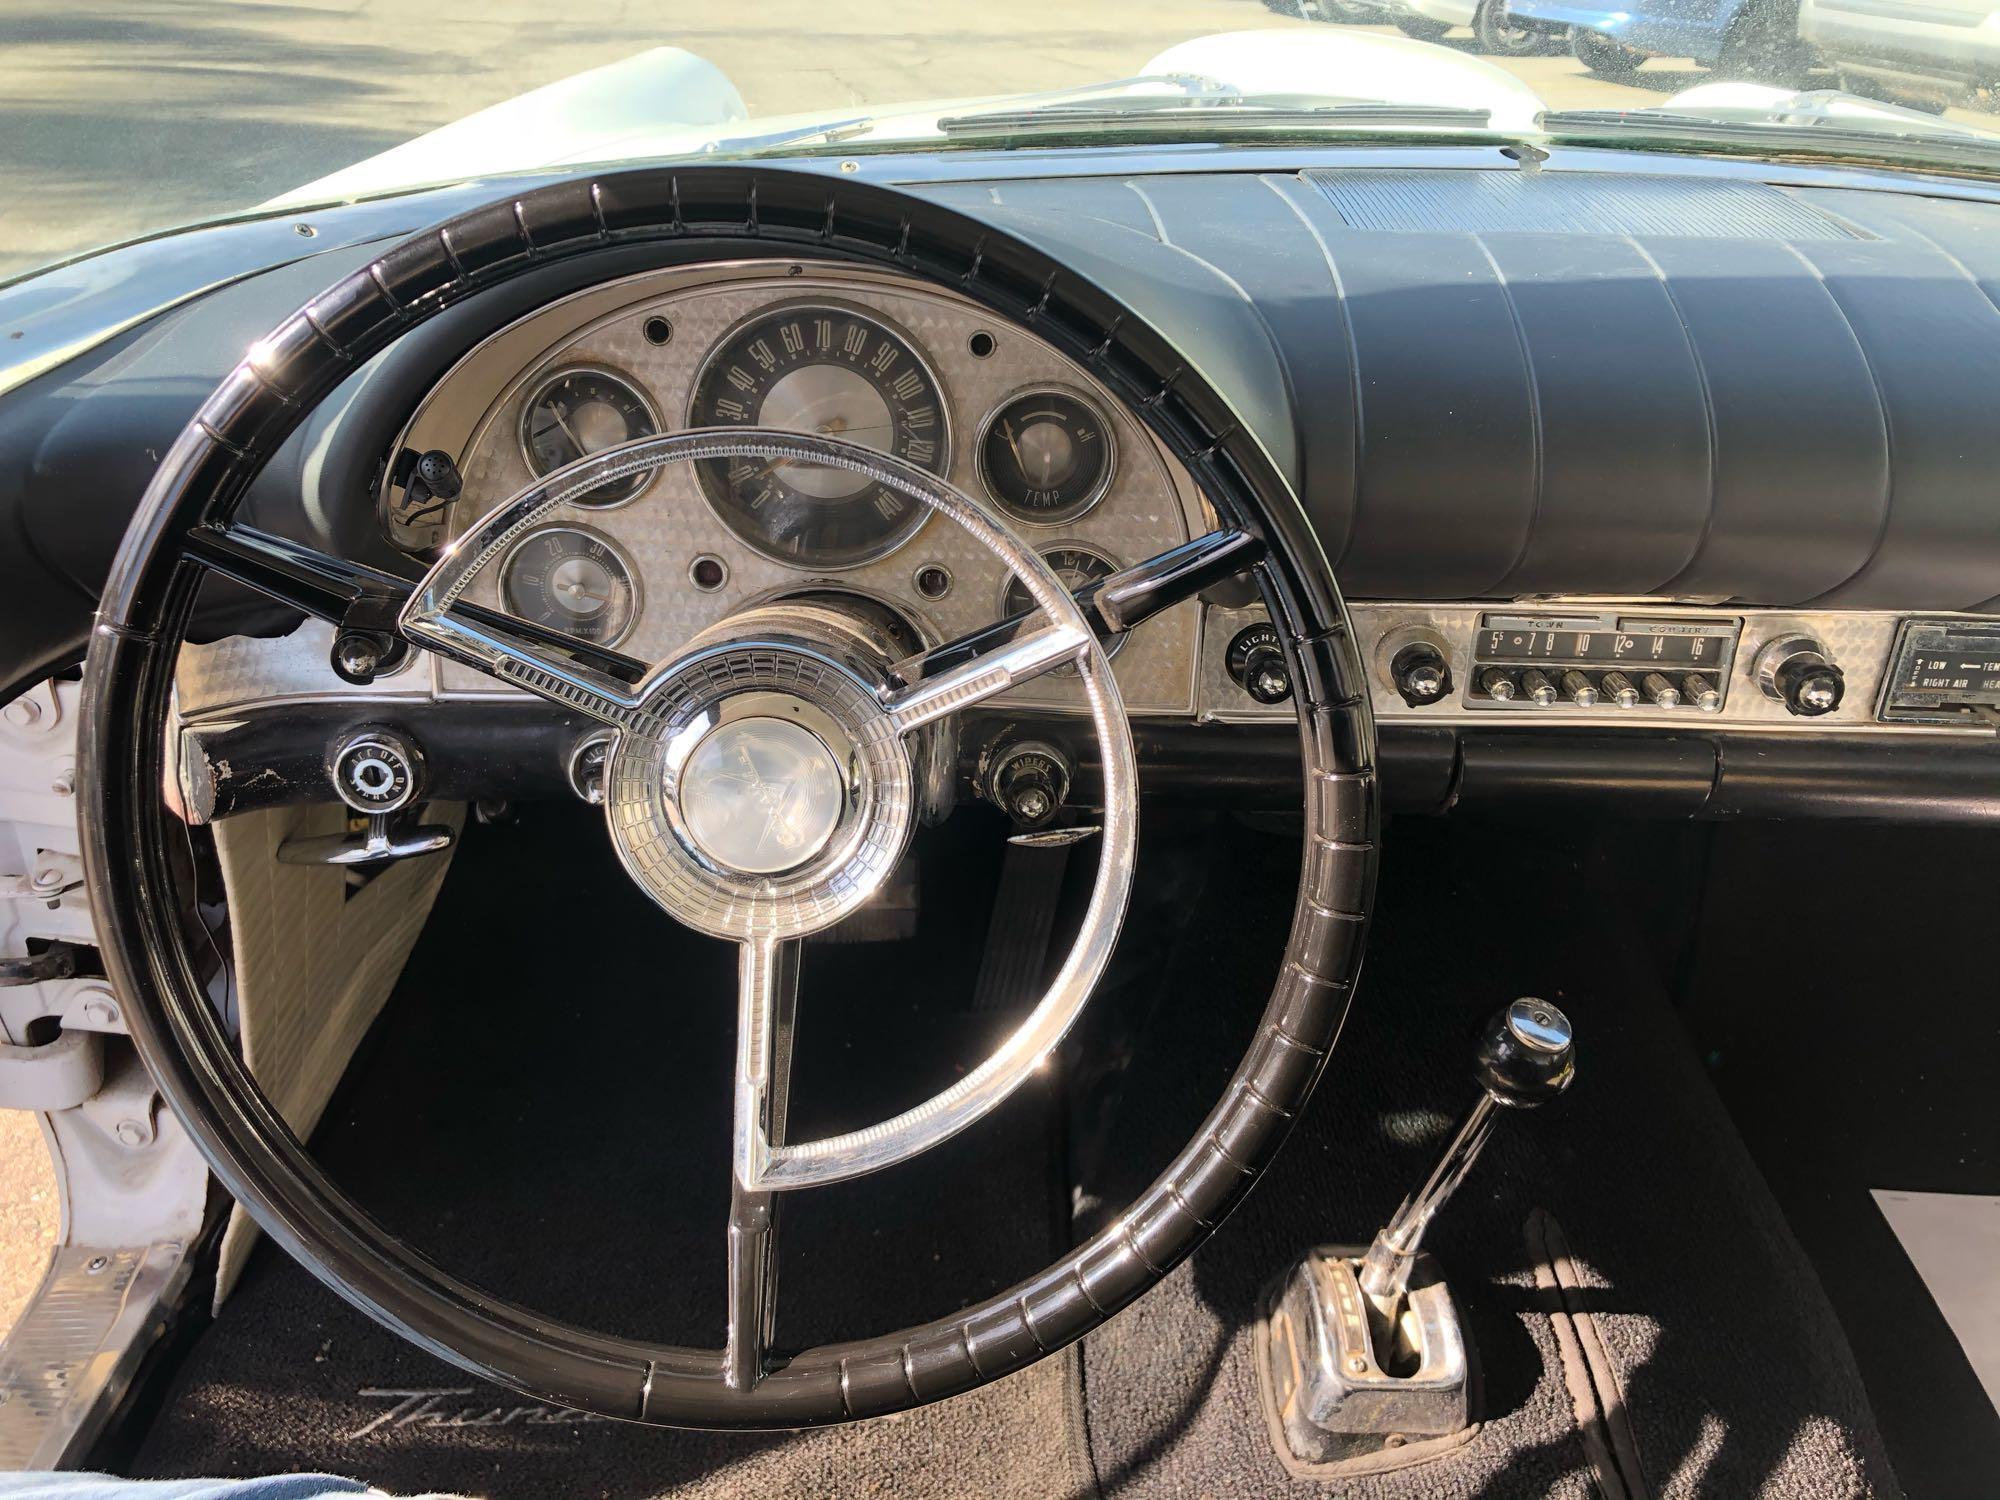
1499 200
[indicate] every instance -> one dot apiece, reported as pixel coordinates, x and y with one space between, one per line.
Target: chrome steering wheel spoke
767 1004
984 676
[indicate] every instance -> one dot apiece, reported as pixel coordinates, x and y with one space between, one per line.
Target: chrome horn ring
862 710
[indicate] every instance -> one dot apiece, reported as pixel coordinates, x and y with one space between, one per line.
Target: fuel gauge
580 411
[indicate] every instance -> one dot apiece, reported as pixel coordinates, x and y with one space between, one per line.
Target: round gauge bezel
623 558
540 386
911 345
1070 514
1042 550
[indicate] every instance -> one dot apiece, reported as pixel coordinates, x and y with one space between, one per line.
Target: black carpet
1843 995
1733 1369
551 1118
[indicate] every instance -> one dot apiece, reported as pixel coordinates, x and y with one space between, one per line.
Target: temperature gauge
1046 457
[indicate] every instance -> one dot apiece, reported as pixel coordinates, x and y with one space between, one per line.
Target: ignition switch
1029 782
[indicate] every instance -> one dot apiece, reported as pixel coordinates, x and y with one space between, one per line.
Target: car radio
1614 659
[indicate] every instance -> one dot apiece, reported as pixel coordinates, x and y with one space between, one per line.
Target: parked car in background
1756 39
1936 52
1496 26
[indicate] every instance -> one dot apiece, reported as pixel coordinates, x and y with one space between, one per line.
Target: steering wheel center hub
761 795
762 790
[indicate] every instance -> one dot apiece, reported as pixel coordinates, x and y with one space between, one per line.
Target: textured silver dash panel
1494 202
1151 505
74 1347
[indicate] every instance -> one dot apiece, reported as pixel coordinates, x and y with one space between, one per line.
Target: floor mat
478 1125
551 1119
1734 1371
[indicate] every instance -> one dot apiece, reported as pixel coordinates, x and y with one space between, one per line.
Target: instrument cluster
647 560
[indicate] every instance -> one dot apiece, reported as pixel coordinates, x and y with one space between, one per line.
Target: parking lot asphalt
123 116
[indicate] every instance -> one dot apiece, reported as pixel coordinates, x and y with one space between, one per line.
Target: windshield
121 119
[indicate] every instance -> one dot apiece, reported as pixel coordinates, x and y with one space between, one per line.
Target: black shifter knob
1527 1055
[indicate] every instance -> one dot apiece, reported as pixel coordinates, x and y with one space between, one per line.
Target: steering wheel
763 783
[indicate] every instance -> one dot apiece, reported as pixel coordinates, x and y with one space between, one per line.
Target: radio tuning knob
1535 682
1796 670
1702 693
1421 674
1618 688
1580 689
1498 685
1660 692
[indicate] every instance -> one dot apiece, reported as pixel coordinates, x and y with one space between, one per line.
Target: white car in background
1937 52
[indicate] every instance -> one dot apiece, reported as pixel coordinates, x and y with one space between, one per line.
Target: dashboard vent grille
1492 202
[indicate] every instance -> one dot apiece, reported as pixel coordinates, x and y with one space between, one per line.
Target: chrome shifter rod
1526 1057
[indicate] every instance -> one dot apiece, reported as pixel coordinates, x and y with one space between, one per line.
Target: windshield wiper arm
1142 111
798 135
1821 131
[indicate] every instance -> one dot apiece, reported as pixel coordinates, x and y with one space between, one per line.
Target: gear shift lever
1526 1057
1363 1359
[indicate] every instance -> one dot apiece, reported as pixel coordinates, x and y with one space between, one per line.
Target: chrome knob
1701 692
1582 692
1498 685
1535 682
1421 674
1528 1054
1618 688
1662 692
1797 671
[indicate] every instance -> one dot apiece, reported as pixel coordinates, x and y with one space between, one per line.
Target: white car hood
668 102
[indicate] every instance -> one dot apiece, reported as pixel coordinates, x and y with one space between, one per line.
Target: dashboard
1700 494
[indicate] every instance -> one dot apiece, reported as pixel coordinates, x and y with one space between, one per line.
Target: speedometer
827 369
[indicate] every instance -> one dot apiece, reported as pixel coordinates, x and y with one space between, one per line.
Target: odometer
827 369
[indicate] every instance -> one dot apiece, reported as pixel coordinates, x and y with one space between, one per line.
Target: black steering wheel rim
144 614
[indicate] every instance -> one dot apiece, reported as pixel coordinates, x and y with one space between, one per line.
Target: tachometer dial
571 580
1046 457
830 370
1076 566
582 410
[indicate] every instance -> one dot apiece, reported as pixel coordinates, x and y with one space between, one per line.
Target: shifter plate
1329 1399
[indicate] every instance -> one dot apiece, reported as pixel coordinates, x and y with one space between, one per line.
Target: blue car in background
1749 39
